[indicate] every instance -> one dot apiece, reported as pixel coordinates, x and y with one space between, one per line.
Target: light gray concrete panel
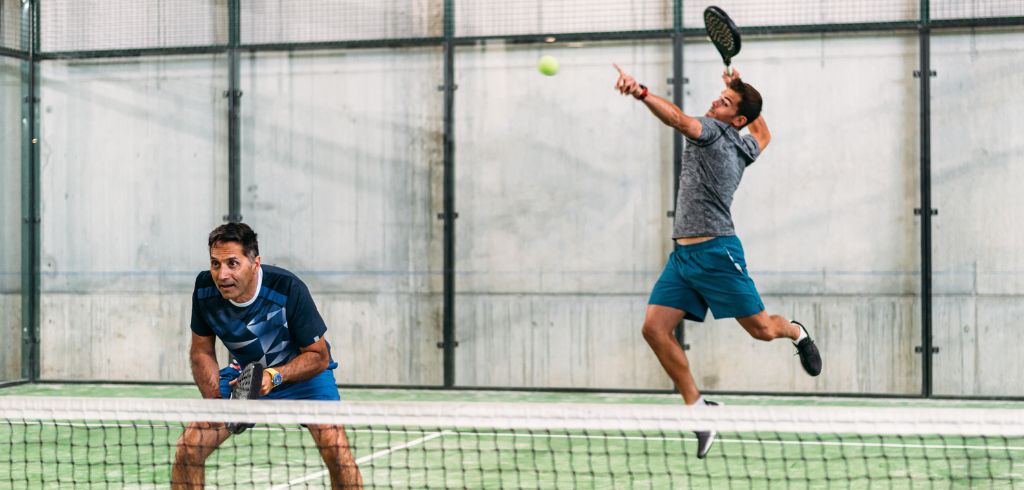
10 176
562 183
1000 352
10 218
976 156
341 180
955 333
980 353
828 208
579 341
125 337
133 172
10 332
866 344
976 163
384 338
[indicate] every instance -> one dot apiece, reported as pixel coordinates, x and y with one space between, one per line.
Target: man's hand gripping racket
247 386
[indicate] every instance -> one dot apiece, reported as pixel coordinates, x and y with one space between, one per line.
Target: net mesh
758 13
11 35
274 21
79 442
976 9
87 25
525 17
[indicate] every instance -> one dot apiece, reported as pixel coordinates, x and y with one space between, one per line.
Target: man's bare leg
658 330
763 326
337 455
196 443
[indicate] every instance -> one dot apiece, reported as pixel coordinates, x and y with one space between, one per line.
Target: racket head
723 33
247 387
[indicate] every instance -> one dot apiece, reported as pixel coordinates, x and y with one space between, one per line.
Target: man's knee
195 445
655 332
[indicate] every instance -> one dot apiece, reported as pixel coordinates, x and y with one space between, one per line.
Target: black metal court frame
30 55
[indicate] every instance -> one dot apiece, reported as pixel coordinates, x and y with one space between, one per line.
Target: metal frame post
926 211
30 196
234 95
449 215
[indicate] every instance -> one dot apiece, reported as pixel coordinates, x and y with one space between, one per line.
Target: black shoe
808 352
705 438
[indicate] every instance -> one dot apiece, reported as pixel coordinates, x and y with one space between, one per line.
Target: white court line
367 458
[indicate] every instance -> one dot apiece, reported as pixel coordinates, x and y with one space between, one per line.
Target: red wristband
643 93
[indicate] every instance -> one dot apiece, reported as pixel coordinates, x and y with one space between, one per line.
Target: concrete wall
342 179
562 191
561 187
10 219
133 174
979 269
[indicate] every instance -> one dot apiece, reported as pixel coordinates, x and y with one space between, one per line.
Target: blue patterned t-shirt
270 328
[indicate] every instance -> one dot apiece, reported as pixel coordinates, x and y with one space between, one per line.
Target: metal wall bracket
440 345
442 216
440 88
919 349
917 212
917 73
229 93
670 214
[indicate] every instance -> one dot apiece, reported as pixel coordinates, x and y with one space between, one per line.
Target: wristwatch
275 376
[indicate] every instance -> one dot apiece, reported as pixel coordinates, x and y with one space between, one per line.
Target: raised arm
203 358
759 130
667 112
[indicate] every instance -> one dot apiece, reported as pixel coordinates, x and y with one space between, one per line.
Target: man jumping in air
707 268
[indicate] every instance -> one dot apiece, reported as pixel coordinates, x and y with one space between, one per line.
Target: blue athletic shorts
708 274
319 387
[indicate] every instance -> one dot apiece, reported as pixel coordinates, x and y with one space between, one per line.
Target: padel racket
247 387
723 33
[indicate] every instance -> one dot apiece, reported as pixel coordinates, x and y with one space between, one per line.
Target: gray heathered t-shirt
712 167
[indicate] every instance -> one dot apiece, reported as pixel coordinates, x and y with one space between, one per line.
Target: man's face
233 272
725 108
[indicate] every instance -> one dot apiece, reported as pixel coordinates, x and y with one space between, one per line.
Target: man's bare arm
203 358
759 130
673 116
667 112
311 361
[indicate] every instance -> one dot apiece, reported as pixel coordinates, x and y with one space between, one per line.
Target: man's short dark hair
750 100
239 233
